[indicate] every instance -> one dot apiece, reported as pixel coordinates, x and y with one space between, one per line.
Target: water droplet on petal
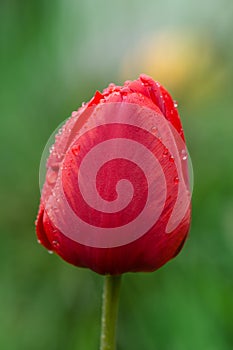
175 104
184 154
111 86
51 176
165 152
155 131
60 131
51 149
176 180
50 251
55 243
55 166
171 159
73 113
125 90
39 241
75 150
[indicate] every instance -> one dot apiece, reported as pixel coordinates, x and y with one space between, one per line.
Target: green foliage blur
54 55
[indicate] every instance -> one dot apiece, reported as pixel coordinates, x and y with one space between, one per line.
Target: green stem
109 312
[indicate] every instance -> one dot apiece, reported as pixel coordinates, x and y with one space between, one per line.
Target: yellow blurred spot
183 62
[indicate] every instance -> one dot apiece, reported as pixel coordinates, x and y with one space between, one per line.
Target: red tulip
116 196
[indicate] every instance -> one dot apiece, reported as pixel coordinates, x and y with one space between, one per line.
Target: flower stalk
110 305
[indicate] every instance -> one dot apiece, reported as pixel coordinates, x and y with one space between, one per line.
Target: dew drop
51 149
165 152
75 150
125 90
175 103
55 166
155 131
51 176
184 155
171 159
73 113
55 243
60 131
83 104
111 86
50 251
176 180
145 81
39 241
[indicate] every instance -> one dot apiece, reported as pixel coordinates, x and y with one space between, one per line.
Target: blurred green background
54 55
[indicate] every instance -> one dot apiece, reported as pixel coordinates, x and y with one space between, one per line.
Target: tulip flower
116 197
